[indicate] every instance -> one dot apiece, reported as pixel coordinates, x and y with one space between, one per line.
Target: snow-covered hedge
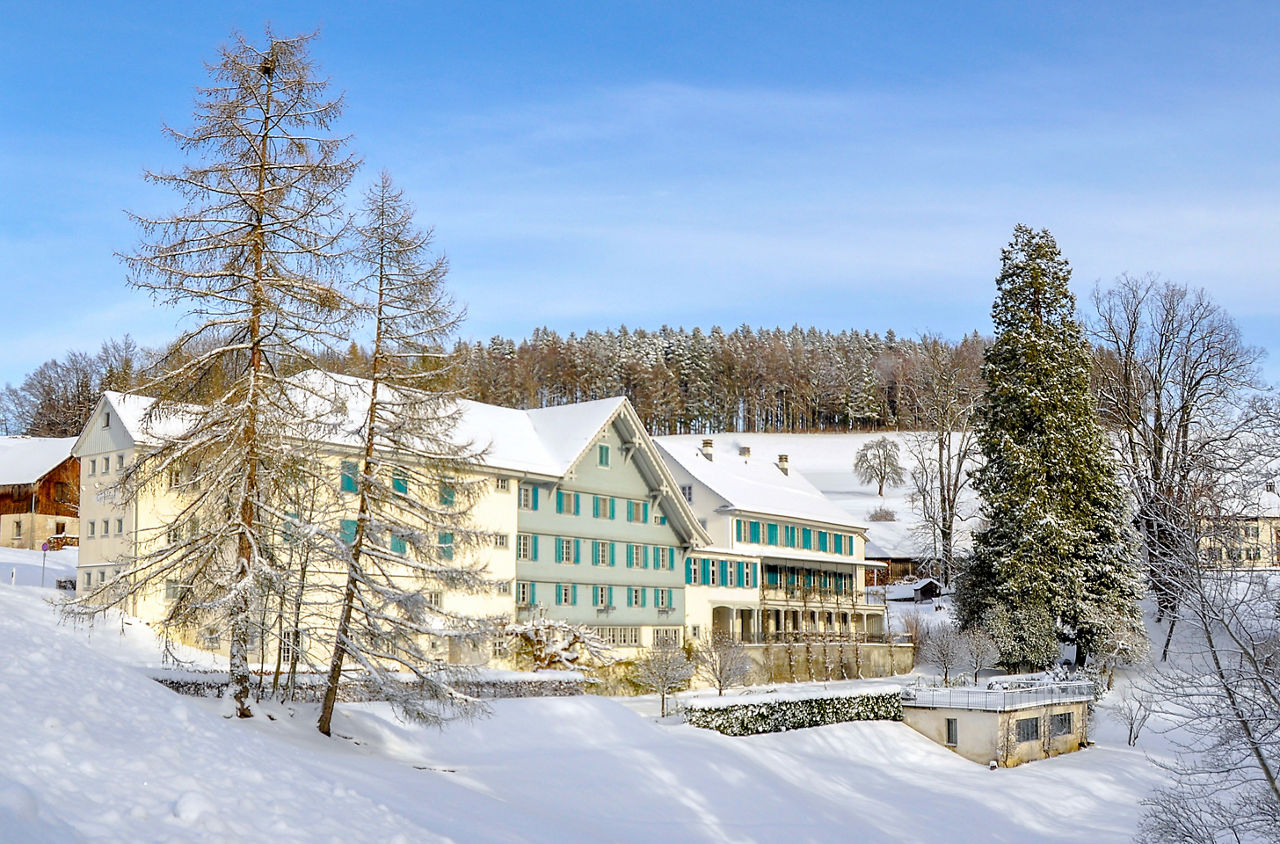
777 716
310 687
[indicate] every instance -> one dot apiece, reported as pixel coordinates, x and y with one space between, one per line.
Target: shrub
778 716
882 514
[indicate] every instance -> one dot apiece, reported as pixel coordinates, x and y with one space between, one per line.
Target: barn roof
25 460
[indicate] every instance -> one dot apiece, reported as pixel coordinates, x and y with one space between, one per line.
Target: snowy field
95 751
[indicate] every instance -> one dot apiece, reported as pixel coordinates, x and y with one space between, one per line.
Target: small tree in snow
877 462
723 662
945 648
664 669
1132 708
980 651
549 644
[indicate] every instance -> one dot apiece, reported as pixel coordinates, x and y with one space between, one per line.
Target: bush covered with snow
779 716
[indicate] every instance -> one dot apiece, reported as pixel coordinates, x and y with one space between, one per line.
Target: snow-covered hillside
826 460
94 750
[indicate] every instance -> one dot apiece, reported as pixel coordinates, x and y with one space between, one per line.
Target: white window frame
566 550
687 491
524 497
501 540
601 596
661 599
602 553
637 556
523 590
565 592
504 484
524 546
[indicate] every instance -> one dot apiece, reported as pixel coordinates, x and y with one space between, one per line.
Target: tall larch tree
1056 540
410 482
251 263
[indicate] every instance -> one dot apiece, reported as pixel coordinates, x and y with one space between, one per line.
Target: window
728 572
746 575
1251 532
88 579
953 731
106 527
448 495
662 599
695 631
106 419
172 590
398 544
602 553
564 593
93 467
635 596
348 480
93 529
102 575
524 544
637 511
17 530
119 462
503 587
212 640
564 550
291 645
714 579
660 557
602 456
687 492
695 571
620 637
1028 729
791 536
602 507
666 637
524 593
1253 553
504 484
1060 724
527 497
175 478
1270 486
500 541
119 527
635 557
347 530
399 481
446 545
600 596
433 599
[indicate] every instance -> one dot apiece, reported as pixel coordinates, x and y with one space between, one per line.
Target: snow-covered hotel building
785 563
588 524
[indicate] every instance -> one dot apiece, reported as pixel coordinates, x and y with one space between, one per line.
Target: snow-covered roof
131 409
25 460
756 485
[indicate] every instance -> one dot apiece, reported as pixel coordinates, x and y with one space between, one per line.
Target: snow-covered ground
94 750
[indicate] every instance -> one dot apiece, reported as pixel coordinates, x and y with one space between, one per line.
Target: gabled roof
25 460
757 486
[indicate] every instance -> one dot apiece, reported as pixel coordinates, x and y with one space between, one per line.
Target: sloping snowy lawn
93 750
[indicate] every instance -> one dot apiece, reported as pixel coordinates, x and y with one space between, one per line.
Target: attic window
106 419
1271 486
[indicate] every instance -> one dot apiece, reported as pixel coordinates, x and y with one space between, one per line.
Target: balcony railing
998 700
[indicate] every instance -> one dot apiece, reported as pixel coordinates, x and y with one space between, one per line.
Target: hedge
777 716
310 687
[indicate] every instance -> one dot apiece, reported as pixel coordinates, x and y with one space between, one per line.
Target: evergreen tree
1055 540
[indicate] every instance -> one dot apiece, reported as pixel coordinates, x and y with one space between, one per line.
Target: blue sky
587 165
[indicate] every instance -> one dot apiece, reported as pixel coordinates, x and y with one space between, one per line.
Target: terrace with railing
1000 696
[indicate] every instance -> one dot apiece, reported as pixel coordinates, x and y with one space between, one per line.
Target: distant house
924 589
1246 531
39 492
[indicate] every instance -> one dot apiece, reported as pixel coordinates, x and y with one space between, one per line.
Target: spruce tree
1055 539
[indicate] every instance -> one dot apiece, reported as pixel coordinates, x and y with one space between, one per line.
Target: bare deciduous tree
980 651
1132 708
877 462
664 669
945 649
723 661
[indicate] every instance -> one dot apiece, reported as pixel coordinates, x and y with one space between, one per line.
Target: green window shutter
398 545
595 506
612 555
613 508
630 558
559 501
577 551
348 530
822 540
558 594
753 532
610 597
595 553
533 592
577 504
447 495
533 547
573 594
737 529
755 573
688 570
645 558
628 596
349 472
737 574
645 514
595 597
643 597
446 546
534 498
773 577
559 551
838 542
773 534
400 481
706 571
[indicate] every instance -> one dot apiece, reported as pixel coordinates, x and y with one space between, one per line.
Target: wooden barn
39 492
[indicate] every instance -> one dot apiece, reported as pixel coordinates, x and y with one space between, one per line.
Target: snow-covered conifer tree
410 482
1056 534
251 262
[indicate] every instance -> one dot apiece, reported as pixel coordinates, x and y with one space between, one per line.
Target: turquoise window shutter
398 545
772 534
688 570
610 597
573 594
755 573
446 546
643 598
348 530
629 591
559 594
447 495
595 506
533 592
630 557
400 481
737 529
349 471
577 504
534 496
595 553
706 571
645 517
613 547
577 551
559 501
645 552
533 542
559 551
613 508
737 577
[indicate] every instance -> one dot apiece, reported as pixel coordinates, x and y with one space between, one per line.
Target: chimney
706 449
744 451
784 464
